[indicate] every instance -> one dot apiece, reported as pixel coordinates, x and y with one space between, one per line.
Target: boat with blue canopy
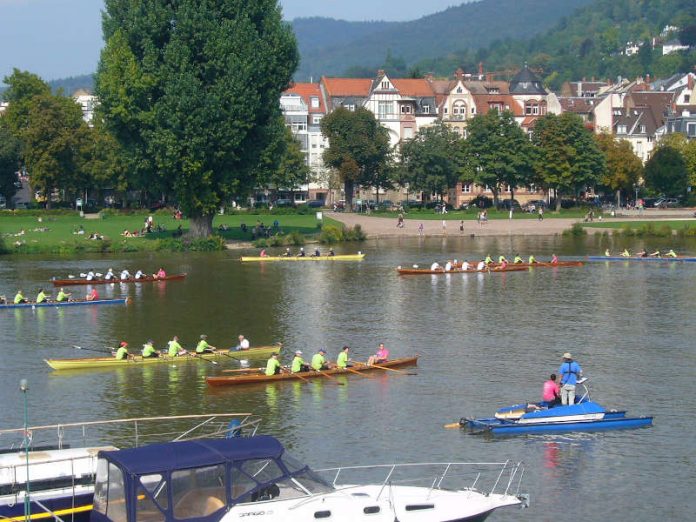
224 480
545 417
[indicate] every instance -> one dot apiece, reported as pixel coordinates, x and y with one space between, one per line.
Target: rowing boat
345 257
491 268
101 281
256 376
76 302
547 264
636 258
260 352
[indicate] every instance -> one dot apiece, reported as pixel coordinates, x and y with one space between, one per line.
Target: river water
485 341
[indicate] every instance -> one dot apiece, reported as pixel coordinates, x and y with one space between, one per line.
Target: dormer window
459 90
642 129
314 102
405 109
620 129
426 109
385 85
493 90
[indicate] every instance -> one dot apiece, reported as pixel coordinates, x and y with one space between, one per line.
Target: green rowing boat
260 352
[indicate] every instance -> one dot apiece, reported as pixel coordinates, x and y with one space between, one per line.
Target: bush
3 246
331 234
295 238
354 234
211 244
576 230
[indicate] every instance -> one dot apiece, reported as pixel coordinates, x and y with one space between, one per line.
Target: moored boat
259 352
253 376
101 281
678 259
254 477
344 257
74 302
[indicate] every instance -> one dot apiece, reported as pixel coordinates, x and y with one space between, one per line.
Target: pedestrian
570 372
420 229
478 217
444 227
461 226
400 221
541 213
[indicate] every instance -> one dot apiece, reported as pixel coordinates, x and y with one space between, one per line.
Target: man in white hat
298 364
570 372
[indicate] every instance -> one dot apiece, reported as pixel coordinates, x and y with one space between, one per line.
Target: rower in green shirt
518 260
532 260
149 350
203 346
41 297
671 253
174 348
63 296
122 352
273 365
298 364
488 260
19 298
319 361
342 359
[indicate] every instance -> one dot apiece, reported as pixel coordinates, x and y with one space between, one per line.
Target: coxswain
298 364
466 265
301 253
19 298
174 349
41 297
263 253
161 274
273 365
149 351
625 253
382 355
531 260
642 253
93 295
503 264
122 352
554 259
488 260
607 253
139 274
342 360
243 344
481 266
319 361
518 260
502 259
671 253
203 346
316 253
125 274
90 275
656 253
287 252
109 275
331 252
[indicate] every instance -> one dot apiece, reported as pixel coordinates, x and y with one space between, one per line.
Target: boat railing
131 432
486 477
78 471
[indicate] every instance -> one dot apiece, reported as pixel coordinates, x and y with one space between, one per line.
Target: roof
308 91
347 86
526 82
413 87
484 101
158 458
578 104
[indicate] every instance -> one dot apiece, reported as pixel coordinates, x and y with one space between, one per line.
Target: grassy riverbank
26 233
666 228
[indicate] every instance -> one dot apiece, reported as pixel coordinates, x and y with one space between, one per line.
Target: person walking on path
400 221
570 372
541 213
420 229
444 227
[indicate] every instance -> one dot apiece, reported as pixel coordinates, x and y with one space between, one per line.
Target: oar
194 354
453 425
401 372
90 349
243 370
336 381
361 374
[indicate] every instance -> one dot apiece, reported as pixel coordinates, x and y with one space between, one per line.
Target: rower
607 253
518 260
125 274
63 296
656 253
316 253
273 365
435 266
466 265
149 351
161 274
93 295
42 297
263 253
448 266
3 299
122 352
481 266
531 260
90 275
203 346
243 344
287 252
301 253
139 274
331 252
298 364
174 348
342 360
19 298
671 253
380 357
502 259
109 275
554 259
488 260
319 361
642 253
626 253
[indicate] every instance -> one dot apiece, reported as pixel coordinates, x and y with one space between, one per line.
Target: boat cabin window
147 509
198 492
109 492
262 470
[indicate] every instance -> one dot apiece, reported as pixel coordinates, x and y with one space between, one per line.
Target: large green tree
567 157
429 162
497 153
9 162
623 168
665 172
358 148
22 87
189 88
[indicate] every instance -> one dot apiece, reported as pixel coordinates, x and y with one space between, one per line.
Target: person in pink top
381 356
552 391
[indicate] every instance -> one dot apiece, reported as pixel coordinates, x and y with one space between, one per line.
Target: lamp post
636 187
24 388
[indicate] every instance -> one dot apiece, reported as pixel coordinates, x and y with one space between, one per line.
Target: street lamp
24 388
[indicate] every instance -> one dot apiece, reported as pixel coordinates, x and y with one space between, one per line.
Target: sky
61 38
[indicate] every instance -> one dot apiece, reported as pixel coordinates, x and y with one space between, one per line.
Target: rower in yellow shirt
319 361
342 360
273 365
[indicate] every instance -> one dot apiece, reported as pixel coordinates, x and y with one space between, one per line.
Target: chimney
480 71
489 77
690 81
429 77
380 73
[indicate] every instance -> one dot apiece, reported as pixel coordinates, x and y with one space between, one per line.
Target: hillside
330 47
590 43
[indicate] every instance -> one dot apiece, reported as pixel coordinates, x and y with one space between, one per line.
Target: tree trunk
496 201
348 187
618 198
512 198
558 200
201 226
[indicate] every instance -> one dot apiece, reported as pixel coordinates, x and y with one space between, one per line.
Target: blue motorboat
544 417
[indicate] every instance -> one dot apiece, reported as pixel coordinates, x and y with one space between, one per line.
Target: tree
623 168
104 162
358 148
189 89
9 162
567 158
497 153
665 172
429 162
22 87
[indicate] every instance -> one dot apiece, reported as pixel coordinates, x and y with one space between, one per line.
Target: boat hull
148 279
634 258
254 378
347 257
491 268
81 302
260 352
501 427
68 507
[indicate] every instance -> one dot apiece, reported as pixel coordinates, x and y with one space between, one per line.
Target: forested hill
590 43
331 47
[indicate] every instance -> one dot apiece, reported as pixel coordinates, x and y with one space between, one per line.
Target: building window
691 130
495 107
531 108
385 109
687 98
642 129
466 188
314 101
350 107
459 90
316 120
426 109
385 85
405 109
473 110
542 108
408 133
620 129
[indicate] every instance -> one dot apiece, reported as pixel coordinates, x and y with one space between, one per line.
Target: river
485 341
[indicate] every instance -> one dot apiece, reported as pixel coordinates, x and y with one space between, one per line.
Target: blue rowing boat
636 258
79 302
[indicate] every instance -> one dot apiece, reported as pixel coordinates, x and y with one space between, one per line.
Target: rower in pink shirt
552 391
381 356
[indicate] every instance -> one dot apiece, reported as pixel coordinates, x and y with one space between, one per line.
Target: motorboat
545 417
255 478
49 472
